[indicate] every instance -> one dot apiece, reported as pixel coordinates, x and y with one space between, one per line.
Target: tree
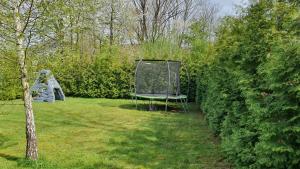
199 17
154 16
21 17
141 11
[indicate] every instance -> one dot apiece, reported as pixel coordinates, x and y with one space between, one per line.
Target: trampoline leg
132 100
166 108
186 105
136 106
183 105
151 106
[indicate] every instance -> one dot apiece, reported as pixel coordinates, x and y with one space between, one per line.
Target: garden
150 84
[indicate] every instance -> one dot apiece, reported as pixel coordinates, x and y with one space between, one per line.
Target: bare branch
20 4
28 16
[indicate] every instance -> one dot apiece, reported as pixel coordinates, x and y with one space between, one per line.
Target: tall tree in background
111 23
157 18
141 11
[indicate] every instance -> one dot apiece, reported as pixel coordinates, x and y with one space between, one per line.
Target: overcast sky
227 7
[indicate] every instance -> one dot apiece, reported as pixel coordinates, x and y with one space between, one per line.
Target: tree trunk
71 33
141 8
111 24
144 22
31 148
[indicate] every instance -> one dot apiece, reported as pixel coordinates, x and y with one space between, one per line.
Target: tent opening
57 94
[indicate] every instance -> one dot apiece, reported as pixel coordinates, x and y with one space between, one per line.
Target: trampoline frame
183 98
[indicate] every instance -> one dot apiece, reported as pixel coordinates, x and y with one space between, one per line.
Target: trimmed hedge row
107 74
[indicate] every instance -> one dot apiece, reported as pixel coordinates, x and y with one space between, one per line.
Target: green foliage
103 76
198 58
43 78
109 73
161 49
34 93
250 90
9 81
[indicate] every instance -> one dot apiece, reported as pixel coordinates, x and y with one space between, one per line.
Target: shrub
250 92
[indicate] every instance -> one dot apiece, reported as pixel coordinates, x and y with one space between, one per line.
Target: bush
104 77
250 92
9 82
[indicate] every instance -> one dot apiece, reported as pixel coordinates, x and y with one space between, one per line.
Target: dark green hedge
107 75
10 85
251 92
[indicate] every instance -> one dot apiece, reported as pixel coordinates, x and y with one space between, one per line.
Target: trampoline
158 80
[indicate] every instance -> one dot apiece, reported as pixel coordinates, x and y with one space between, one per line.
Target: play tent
46 88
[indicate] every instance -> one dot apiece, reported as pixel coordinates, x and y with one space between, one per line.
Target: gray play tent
46 88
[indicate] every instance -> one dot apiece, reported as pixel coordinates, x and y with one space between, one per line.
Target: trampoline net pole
168 86
135 85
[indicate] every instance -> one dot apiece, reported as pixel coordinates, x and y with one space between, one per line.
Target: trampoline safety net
158 77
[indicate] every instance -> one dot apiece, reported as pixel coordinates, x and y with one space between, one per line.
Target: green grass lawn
103 133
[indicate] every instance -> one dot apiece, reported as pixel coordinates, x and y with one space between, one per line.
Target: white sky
228 7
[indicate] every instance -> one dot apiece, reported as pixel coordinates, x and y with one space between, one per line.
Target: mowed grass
104 133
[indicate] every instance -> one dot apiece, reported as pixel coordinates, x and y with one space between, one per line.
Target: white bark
31 148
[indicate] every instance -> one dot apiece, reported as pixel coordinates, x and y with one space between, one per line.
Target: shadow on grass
5 143
21 162
156 107
100 165
168 143
25 163
9 157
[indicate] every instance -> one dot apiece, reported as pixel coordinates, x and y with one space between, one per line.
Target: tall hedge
109 73
10 85
106 75
250 93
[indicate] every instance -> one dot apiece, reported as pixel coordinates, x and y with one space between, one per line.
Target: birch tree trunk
31 147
